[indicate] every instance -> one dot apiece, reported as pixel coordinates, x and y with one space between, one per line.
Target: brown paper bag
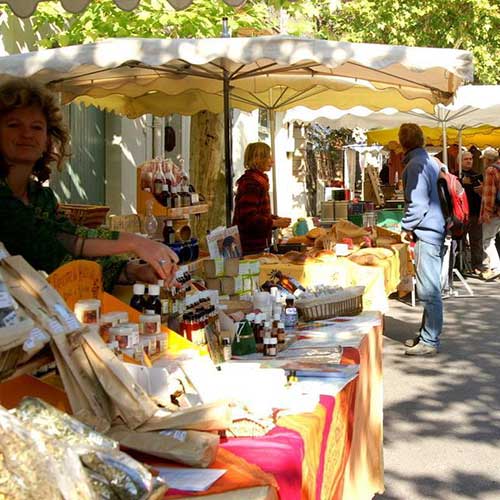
132 403
193 448
208 417
82 382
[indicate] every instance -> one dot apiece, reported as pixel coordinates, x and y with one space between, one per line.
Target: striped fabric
252 212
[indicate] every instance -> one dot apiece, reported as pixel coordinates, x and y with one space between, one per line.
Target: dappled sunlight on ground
442 414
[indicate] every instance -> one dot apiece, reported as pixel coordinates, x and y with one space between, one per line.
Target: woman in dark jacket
252 212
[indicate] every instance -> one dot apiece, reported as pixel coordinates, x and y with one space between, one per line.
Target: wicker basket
85 215
348 302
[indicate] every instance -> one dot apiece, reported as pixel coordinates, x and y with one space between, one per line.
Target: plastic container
149 324
148 344
88 311
126 335
108 320
161 342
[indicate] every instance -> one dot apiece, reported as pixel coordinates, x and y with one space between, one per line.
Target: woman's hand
281 222
161 259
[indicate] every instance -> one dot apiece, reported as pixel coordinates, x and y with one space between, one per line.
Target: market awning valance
133 76
25 8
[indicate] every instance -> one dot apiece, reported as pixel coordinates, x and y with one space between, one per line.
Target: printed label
178 435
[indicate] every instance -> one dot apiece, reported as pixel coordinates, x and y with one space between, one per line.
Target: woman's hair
256 152
411 136
24 92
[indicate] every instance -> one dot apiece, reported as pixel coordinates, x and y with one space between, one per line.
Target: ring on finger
162 262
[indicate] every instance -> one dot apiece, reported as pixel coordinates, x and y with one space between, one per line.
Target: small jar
149 324
126 336
281 333
122 316
88 311
161 342
108 320
270 346
148 344
226 349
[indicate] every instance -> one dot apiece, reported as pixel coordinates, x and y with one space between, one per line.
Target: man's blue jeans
428 263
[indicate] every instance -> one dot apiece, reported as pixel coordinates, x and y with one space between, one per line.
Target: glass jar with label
270 346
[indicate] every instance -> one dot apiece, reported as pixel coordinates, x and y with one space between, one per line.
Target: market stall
303 455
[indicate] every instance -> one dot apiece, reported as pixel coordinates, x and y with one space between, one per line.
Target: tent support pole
272 126
445 143
228 160
460 152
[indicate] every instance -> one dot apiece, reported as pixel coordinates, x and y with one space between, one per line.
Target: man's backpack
454 203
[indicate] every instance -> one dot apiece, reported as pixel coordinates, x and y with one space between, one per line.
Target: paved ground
442 414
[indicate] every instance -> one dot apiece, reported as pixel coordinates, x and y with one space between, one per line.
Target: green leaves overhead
466 24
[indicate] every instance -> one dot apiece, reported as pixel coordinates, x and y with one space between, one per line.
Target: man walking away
424 224
490 211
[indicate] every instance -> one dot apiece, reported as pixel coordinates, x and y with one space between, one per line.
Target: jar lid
134 327
226 341
273 340
153 290
144 318
88 304
122 316
267 340
110 317
139 289
121 330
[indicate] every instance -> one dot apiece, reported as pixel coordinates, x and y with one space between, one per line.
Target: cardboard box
231 267
213 268
231 285
213 284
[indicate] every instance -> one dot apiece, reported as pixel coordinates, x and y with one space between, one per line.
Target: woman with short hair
252 212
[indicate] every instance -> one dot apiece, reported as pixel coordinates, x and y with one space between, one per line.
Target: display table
379 281
334 452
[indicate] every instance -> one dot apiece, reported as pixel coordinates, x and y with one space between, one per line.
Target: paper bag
209 417
193 448
132 403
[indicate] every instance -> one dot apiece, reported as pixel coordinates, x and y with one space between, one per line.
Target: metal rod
460 152
228 150
445 144
272 124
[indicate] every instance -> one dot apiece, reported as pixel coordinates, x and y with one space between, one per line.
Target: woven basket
348 303
85 215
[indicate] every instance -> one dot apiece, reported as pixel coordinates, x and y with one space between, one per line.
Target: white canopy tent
134 76
474 105
25 8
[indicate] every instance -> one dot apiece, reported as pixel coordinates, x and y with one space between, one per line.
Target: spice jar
148 344
122 316
108 320
226 349
126 335
270 346
149 324
161 342
281 333
88 311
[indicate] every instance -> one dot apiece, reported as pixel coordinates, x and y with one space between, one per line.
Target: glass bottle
153 304
165 195
168 233
138 301
175 201
158 180
150 221
291 316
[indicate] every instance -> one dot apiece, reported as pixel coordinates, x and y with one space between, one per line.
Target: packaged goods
126 335
149 324
88 311
60 425
193 448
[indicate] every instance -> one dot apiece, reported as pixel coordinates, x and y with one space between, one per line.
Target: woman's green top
32 231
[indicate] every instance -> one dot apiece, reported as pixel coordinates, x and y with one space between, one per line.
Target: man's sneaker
490 274
412 342
421 349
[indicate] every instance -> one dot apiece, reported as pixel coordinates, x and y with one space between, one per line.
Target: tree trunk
207 171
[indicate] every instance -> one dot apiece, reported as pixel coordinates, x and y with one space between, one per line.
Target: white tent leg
272 126
445 143
460 152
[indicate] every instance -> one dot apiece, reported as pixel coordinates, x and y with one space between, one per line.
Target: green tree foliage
156 18
466 24
462 24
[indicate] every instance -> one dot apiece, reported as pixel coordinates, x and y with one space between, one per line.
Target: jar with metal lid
270 346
